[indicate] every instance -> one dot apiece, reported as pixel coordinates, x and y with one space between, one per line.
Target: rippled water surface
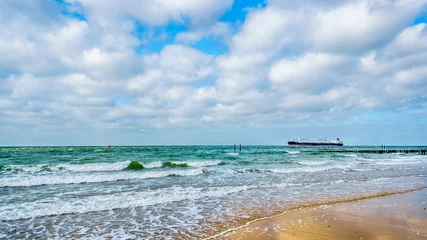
182 191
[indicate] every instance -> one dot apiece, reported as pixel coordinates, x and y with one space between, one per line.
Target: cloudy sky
89 72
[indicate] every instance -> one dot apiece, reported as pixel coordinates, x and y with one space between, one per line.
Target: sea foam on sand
399 216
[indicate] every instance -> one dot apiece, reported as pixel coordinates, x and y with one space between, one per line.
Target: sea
183 192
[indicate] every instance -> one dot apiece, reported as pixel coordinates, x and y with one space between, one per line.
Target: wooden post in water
374 151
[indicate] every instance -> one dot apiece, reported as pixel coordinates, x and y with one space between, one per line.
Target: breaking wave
35 180
51 206
104 167
293 152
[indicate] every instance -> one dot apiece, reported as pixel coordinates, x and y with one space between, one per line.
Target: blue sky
139 72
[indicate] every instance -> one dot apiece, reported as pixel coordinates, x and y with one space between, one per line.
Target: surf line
314 205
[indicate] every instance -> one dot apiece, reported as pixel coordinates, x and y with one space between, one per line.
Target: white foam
293 152
203 163
313 163
308 169
350 155
401 160
94 167
53 206
54 179
157 164
99 167
178 162
88 167
234 154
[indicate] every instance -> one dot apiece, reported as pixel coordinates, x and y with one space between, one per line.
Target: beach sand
401 216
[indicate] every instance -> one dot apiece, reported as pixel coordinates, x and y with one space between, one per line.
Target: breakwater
375 151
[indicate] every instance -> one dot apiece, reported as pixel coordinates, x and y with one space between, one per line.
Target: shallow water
183 191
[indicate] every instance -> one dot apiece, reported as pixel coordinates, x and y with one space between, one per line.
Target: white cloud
207 118
72 35
242 62
108 13
336 26
412 40
332 46
362 25
219 30
263 31
145 82
184 64
288 61
176 64
27 86
399 67
409 83
310 71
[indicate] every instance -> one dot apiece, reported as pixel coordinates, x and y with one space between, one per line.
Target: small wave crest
350 155
72 178
292 152
157 164
88 167
204 163
134 166
51 206
175 164
253 170
103 167
309 169
312 163
401 160
197 164
233 154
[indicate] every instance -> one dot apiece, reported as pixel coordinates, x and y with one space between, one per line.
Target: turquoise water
179 192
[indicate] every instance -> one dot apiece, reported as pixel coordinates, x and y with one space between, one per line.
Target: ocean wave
157 164
403 160
88 167
55 179
134 166
175 164
309 169
352 155
102 167
197 164
233 154
51 206
253 170
292 152
204 163
306 169
312 163
263 152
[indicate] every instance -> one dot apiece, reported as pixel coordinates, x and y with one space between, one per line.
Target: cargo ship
303 142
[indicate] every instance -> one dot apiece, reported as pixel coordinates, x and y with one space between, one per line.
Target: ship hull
293 143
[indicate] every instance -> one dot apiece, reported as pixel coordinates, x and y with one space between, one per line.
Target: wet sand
401 216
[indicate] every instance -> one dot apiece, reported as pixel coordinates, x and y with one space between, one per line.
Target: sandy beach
400 216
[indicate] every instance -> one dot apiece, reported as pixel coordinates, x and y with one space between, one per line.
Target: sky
167 72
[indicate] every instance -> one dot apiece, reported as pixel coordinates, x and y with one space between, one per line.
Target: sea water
182 192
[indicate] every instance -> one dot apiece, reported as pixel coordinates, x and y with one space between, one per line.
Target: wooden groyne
375 151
